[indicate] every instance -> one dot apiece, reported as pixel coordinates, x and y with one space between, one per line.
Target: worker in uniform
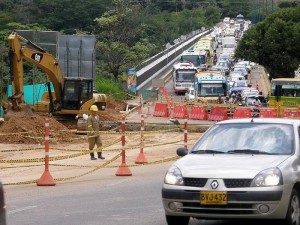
93 132
256 102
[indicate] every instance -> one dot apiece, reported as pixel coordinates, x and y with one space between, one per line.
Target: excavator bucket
24 110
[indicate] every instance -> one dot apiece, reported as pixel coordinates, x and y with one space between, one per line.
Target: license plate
213 198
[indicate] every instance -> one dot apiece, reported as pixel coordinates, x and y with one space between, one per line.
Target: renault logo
214 184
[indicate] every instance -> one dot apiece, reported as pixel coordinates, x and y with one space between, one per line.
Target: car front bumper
241 204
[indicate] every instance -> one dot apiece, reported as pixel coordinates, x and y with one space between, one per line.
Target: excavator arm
36 56
73 95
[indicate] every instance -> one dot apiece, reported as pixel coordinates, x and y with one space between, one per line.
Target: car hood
227 166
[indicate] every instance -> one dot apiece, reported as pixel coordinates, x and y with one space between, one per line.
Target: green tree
274 43
232 8
212 15
119 34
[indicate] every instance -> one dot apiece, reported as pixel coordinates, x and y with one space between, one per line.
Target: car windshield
247 138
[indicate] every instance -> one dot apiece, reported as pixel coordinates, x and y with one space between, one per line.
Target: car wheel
177 220
293 213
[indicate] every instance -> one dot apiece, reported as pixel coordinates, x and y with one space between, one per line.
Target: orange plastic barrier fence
240 112
217 113
161 110
290 113
180 111
198 112
166 94
267 113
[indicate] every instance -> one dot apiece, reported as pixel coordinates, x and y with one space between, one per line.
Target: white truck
229 45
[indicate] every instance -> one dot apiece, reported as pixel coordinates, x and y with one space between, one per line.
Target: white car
241 69
244 63
224 65
238 169
236 76
190 95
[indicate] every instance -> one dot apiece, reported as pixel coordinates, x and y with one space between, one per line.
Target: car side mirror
182 151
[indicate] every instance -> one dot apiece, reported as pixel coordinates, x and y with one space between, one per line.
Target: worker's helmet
94 108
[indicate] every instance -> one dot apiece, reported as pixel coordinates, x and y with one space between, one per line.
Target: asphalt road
98 199
101 198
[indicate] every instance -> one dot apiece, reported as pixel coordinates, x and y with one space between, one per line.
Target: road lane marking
21 209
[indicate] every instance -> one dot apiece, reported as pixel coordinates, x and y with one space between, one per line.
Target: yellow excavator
71 96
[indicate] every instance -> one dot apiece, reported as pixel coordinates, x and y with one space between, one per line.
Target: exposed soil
30 128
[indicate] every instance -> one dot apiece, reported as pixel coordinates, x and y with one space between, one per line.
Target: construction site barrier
140 104
161 110
123 169
46 178
141 157
267 113
198 112
180 111
287 113
242 112
218 113
185 137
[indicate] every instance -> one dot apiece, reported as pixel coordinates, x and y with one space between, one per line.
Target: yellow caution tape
18 133
104 165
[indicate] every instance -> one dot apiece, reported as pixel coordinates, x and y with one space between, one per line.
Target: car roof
262 120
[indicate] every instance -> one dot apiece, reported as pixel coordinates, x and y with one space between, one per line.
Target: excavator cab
76 91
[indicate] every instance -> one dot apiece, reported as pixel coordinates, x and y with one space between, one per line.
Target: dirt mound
31 130
112 112
27 128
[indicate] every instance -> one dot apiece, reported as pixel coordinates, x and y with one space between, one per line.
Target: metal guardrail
163 62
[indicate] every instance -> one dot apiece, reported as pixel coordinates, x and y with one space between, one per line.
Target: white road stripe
21 209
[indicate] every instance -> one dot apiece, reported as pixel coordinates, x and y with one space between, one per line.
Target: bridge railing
161 63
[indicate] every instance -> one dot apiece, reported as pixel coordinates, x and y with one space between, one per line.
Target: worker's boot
93 156
100 155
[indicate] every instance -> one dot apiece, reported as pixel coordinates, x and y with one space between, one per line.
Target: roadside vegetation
274 43
127 32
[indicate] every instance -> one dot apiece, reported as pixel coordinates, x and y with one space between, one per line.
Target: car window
268 138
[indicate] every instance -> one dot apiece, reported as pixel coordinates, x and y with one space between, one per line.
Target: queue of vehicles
218 80
242 168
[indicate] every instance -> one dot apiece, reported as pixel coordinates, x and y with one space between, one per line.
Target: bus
206 46
210 86
183 76
284 94
196 57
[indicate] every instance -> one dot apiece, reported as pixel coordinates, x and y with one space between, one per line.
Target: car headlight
268 177
174 176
